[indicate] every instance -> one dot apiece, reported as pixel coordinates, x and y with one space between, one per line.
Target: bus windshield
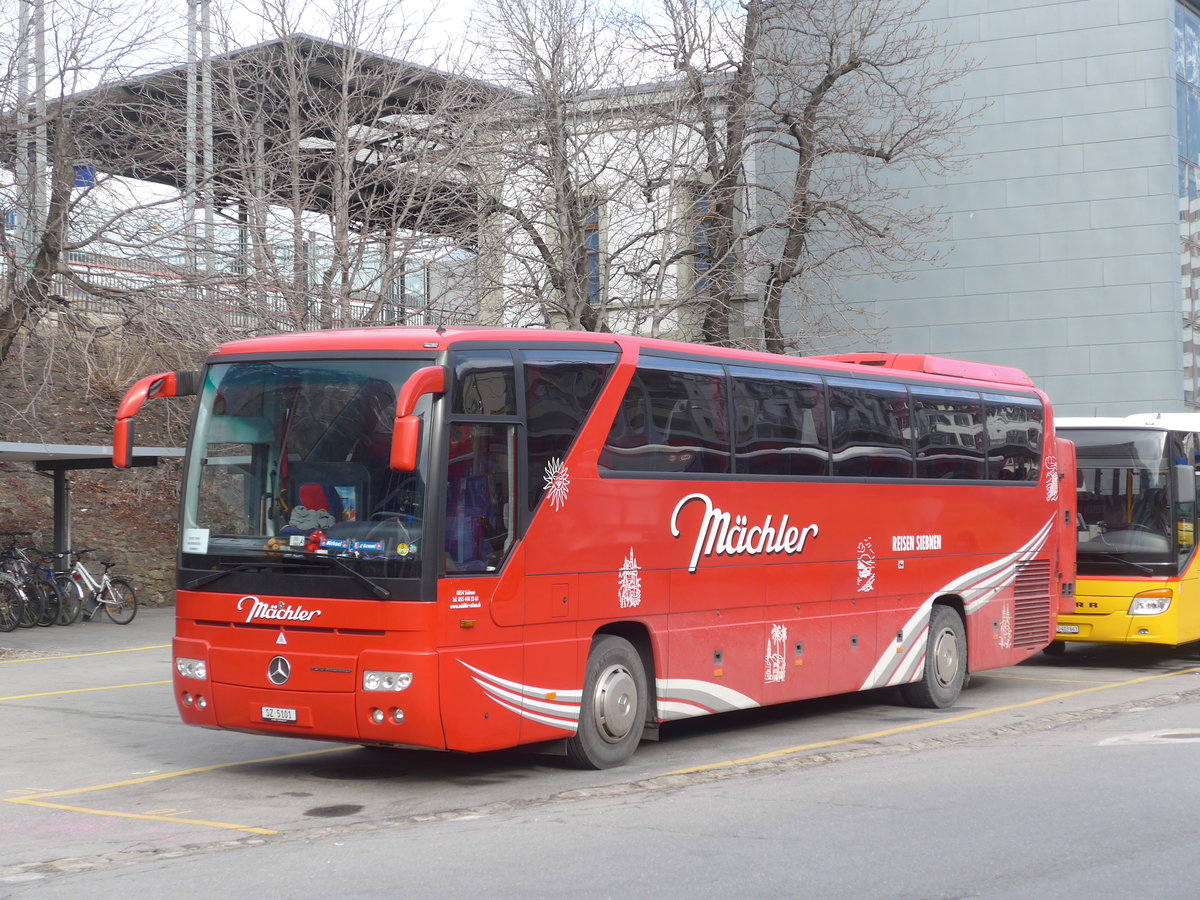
1125 520
289 464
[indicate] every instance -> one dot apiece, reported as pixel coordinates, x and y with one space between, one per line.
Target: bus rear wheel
945 670
612 715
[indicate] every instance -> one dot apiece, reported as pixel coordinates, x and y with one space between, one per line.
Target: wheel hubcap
615 703
945 658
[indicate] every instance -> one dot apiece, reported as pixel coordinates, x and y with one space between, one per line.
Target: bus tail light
1150 603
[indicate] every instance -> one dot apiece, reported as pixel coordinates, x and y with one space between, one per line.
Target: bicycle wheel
120 601
71 594
51 602
10 607
31 605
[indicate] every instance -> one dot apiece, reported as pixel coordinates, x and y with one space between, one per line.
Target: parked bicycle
115 595
12 604
71 593
29 597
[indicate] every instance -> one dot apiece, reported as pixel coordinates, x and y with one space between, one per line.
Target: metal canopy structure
57 460
297 100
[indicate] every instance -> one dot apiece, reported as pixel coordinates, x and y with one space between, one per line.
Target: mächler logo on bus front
280 610
731 534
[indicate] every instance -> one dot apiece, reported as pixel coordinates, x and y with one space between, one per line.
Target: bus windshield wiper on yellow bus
1116 557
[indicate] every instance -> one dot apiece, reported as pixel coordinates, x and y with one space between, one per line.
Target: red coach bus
470 539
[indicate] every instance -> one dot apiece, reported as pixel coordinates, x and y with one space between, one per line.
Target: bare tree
333 169
344 167
52 192
712 52
807 110
569 167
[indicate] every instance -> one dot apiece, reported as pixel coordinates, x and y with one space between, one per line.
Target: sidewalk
150 627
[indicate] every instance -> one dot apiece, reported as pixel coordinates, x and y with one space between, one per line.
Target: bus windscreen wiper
373 586
1113 557
220 573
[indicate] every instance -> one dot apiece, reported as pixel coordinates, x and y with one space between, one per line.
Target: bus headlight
191 668
1150 603
386 681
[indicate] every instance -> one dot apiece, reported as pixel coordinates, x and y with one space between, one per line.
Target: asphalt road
1061 777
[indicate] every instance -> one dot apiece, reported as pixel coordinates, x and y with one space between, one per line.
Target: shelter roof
268 93
49 457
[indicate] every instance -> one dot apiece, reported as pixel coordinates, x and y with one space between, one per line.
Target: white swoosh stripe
560 709
977 587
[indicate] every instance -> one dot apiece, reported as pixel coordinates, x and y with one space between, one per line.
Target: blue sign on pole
85 176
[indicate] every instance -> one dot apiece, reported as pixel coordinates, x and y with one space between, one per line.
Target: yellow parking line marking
29 659
888 732
41 798
1048 680
163 776
124 815
107 687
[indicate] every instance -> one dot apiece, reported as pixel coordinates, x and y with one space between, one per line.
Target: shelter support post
62 511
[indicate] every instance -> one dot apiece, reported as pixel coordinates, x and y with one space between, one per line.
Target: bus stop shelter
58 460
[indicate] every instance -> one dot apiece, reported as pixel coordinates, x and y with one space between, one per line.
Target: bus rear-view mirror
152 387
406 432
1185 484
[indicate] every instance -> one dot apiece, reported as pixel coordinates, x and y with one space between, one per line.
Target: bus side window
561 387
870 437
672 419
1015 427
479 492
484 383
949 426
780 426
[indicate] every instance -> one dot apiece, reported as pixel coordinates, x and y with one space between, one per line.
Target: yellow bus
1138 578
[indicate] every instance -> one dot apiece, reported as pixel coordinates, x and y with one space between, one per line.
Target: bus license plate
1068 629
278 714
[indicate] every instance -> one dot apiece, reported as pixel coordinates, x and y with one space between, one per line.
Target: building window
591 247
703 222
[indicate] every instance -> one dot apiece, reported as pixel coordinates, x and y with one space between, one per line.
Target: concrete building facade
1063 245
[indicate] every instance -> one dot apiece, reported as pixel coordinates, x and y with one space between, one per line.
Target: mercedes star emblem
279 670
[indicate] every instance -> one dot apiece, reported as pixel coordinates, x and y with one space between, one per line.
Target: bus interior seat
341 488
314 495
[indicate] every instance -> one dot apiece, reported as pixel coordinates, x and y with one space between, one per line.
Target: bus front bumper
340 707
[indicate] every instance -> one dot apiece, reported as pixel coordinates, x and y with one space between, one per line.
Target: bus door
1068 513
1184 491
481 657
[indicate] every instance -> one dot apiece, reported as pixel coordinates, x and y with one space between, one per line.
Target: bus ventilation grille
1031 618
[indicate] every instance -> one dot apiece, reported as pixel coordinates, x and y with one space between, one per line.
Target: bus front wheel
945 669
612 715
